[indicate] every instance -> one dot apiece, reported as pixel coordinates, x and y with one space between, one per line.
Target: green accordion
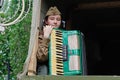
65 52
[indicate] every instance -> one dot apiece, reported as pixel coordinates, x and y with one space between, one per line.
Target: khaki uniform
41 55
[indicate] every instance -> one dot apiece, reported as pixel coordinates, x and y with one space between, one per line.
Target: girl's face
54 21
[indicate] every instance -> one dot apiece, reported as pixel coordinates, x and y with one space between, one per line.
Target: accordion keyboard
56 53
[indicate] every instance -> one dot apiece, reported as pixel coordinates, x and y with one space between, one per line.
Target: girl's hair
43 24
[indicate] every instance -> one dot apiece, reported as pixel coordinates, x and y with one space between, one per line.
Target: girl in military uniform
52 20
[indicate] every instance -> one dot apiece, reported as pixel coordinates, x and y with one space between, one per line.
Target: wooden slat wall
97 5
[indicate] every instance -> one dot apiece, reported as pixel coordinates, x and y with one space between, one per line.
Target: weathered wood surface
97 5
33 35
72 78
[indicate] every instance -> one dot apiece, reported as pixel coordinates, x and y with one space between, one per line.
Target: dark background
101 27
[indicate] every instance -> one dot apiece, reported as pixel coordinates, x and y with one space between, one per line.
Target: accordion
65 52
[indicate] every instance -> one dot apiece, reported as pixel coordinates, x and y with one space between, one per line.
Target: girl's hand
47 31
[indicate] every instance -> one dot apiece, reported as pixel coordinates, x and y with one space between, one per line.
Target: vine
14 43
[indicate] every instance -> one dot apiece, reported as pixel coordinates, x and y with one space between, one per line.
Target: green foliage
14 44
8 9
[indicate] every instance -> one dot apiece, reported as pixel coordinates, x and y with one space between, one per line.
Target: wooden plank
33 36
97 5
34 31
71 77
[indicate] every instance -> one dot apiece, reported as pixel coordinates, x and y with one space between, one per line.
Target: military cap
53 11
